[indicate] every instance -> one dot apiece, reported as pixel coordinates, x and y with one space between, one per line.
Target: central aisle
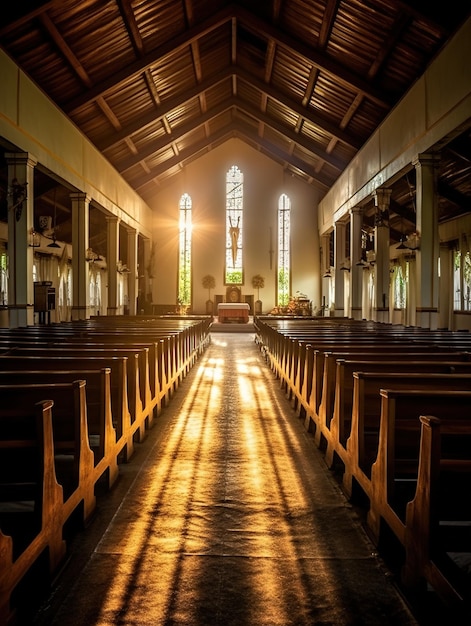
232 518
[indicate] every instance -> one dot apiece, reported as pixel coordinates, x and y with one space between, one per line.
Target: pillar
427 289
80 269
20 223
112 257
325 273
382 199
339 262
446 296
131 243
356 272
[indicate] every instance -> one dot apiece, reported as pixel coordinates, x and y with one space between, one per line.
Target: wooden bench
321 403
355 428
395 470
118 366
73 458
99 392
438 518
30 526
140 404
170 353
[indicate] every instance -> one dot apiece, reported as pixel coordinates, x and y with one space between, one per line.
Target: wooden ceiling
155 84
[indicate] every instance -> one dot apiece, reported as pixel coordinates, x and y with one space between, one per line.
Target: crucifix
234 233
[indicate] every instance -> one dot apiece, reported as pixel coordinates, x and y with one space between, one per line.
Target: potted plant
258 282
209 283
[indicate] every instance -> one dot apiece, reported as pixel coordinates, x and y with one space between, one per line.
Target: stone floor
226 515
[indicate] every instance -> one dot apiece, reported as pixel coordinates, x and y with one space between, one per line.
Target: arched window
234 271
284 252
184 259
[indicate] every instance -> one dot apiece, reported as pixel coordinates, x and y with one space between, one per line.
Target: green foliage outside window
184 285
283 287
233 277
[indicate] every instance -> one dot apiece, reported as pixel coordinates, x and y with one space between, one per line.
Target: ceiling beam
219 137
179 101
233 102
171 47
311 56
255 25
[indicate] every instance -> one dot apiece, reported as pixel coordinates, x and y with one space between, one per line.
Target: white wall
264 181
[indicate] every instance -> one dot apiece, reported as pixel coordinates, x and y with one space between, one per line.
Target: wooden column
132 237
20 201
80 268
339 261
382 199
356 274
427 253
112 257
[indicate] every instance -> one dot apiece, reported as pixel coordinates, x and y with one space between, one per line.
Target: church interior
174 172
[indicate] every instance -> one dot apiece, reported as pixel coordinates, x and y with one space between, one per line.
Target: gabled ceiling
155 84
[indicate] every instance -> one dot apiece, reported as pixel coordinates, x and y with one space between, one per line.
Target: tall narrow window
466 281
234 272
284 253
3 275
457 280
184 260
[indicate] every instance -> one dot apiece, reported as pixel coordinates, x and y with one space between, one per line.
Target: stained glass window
284 252
234 273
184 259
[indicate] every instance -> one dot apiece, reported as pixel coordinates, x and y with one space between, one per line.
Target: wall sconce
327 274
371 257
34 239
413 241
345 267
122 268
91 256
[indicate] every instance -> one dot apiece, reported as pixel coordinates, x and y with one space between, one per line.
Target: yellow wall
30 121
264 181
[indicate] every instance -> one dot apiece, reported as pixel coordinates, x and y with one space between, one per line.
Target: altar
238 311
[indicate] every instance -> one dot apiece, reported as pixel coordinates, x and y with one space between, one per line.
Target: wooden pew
140 404
170 353
395 470
73 458
118 366
355 428
27 531
99 392
149 364
320 404
438 518
177 350
326 366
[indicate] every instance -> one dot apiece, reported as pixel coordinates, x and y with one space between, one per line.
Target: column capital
356 210
130 230
426 158
80 196
112 219
21 158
